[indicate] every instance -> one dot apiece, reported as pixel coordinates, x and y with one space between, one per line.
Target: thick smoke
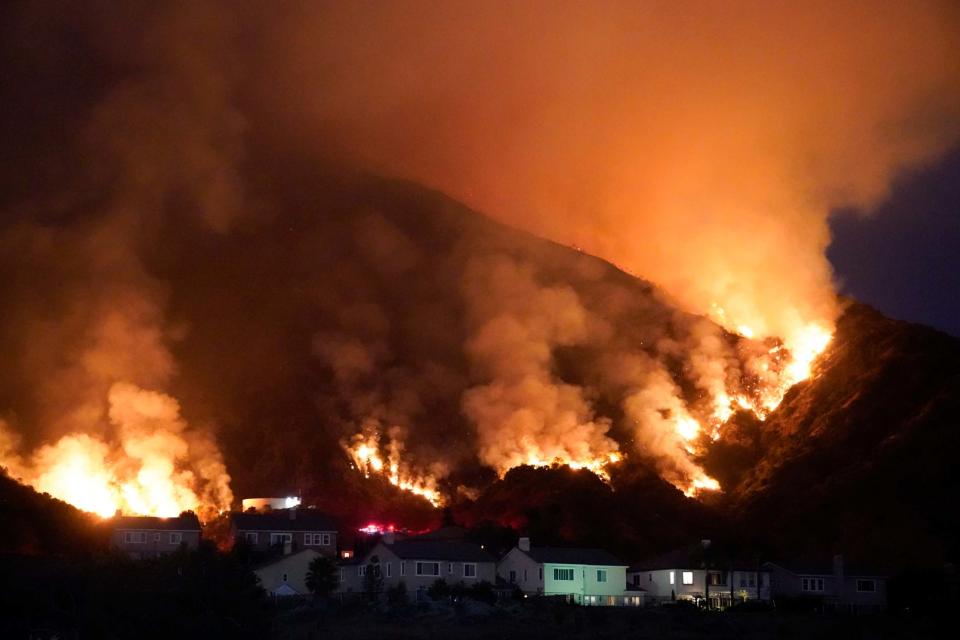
176 239
524 414
699 145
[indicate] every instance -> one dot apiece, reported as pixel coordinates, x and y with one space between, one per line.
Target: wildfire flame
364 450
155 467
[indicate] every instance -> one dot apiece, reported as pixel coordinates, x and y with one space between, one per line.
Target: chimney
524 544
838 573
389 537
293 513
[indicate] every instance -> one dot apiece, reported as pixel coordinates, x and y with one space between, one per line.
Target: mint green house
585 576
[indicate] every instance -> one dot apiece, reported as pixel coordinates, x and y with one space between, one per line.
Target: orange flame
155 467
364 449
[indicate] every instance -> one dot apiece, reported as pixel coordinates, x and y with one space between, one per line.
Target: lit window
687 577
866 586
428 568
601 575
469 570
673 577
563 574
176 538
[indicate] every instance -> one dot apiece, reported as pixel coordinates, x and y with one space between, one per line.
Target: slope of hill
862 457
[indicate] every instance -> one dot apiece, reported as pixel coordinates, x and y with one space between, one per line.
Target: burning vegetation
199 239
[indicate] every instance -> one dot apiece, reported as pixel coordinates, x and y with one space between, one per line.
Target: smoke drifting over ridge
673 139
700 147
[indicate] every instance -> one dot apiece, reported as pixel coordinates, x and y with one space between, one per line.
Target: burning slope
195 228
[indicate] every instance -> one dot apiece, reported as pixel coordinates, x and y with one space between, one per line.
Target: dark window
866 586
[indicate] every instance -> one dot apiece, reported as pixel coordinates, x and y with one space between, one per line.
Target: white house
418 563
287 575
585 576
836 587
685 574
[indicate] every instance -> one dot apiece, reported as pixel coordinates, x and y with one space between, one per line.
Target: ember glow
155 466
364 450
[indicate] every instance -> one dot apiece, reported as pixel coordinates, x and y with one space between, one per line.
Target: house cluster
592 577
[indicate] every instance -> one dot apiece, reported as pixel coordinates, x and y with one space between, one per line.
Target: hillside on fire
353 321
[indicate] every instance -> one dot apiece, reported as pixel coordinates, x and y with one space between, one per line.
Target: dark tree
322 576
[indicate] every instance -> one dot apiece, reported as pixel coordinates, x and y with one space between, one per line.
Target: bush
438 590
397 596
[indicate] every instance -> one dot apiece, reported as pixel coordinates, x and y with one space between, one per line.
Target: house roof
188 522
571 555
281 520
449 550
816 567
295 556
690 558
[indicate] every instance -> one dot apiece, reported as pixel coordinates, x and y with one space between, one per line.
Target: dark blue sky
904 259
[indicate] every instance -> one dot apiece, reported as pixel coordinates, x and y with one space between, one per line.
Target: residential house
584 576
286 529
692 574
835 587
150 537
287 575
418 563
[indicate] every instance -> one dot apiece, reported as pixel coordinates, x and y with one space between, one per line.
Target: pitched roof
815 567
691 557
448 550
290 557
569 555
188 522
281 520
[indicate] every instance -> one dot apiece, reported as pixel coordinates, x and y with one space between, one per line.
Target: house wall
157 542
525 568
394 570
298 541
836 593
657 584
293 567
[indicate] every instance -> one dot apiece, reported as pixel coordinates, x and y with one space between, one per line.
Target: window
601 575
812 584
284 577
541 573
752 580
673 577
176 538
316 539
450 568
134 537
280 538
469 570
525 575
389 570
649 580
251 537
743 580
156 537
428 568
341 574
513 577
362 570
866 586
403 568
687 577
717 579
563 574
